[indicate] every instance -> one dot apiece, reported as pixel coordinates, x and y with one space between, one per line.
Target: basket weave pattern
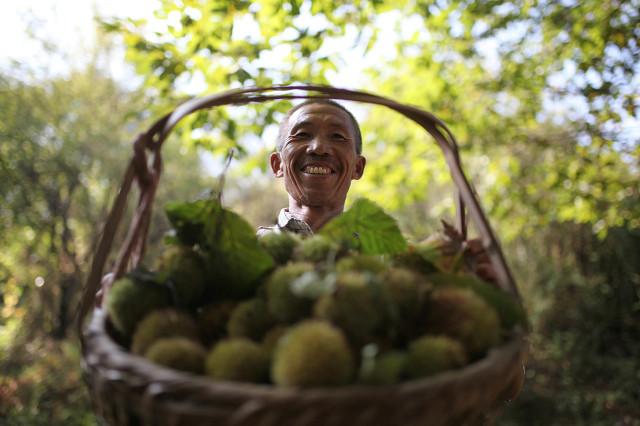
128 390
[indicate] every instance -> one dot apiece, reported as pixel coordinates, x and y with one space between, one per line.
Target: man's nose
318 146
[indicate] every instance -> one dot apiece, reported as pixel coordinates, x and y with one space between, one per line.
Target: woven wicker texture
127 390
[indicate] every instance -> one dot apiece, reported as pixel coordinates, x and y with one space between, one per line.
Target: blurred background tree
542 96
64 143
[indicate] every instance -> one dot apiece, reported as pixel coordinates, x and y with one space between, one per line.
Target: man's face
318 158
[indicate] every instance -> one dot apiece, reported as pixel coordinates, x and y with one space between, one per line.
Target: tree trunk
68 287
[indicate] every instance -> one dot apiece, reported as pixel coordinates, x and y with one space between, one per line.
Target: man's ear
275 161
359 169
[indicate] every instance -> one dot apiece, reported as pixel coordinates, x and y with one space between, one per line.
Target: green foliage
54 186
228 242
501 107
64 142
539 126
234 252
188 219
367 228
42 384
216 44
582 293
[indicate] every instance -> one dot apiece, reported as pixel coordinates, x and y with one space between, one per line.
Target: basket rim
101 351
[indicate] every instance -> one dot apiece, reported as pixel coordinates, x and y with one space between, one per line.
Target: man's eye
301 135
338 136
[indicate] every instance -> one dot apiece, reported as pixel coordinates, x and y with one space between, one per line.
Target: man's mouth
317 170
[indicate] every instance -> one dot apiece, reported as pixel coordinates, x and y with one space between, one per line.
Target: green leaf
509 311
367 228
187 219
430 254
235 257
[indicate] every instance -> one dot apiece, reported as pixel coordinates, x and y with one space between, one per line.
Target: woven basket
128 390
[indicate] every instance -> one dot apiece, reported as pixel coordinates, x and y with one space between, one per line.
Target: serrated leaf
234 255
235 258
187 218
367 228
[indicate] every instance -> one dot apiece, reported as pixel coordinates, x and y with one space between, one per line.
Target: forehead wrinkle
301 124
331 122
318 109
305 112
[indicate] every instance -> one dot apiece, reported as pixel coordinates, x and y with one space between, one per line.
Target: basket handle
146 172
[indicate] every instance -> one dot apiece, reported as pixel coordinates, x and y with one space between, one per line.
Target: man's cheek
290 171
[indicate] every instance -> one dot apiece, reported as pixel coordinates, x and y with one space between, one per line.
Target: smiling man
318 153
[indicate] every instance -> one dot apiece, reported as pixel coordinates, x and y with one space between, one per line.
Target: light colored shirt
286 223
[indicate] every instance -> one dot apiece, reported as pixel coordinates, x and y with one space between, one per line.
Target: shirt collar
287 221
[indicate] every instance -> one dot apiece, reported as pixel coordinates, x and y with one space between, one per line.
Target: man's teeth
317 170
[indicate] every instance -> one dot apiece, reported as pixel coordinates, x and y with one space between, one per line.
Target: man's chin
317 199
